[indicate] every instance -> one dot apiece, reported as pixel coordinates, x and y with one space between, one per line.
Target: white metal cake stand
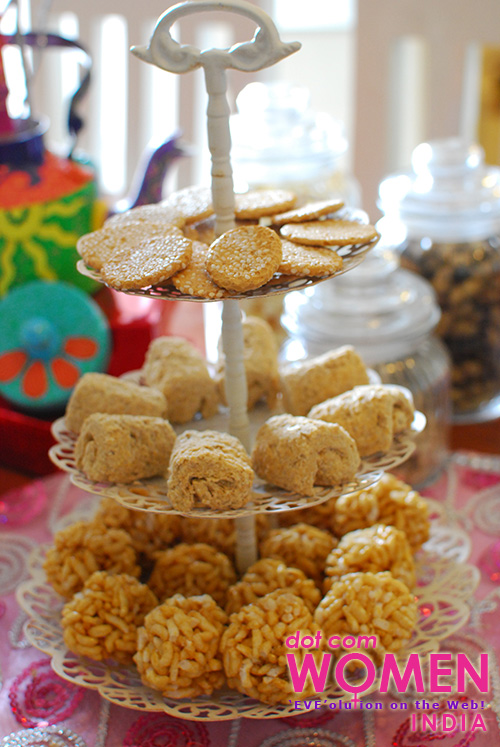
265 49
119 685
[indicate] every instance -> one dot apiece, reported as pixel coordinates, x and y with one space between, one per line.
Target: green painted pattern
39 241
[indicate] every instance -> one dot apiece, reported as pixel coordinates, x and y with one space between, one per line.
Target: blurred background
373 81
394 73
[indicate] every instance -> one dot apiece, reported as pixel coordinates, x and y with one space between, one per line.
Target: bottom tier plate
446 582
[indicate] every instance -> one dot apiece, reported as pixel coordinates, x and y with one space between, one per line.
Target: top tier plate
352 256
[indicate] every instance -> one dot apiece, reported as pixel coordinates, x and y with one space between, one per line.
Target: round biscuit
308 261
310 211
193 203
113 242
260 202
152 262
244 258
194 280
203 230
329 232
158 213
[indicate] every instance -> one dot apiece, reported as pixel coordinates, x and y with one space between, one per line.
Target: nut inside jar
466 279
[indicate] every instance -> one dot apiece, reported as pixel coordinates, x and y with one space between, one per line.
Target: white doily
445 586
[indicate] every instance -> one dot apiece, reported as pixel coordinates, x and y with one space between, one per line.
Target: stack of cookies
173 244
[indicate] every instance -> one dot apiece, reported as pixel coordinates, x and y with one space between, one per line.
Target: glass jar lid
277 138
450 194
381 309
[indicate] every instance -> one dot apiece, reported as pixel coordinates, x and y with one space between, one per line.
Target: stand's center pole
264 50
219 143
235 376
239 425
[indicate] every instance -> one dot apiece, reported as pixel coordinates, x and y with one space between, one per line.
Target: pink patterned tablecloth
39 708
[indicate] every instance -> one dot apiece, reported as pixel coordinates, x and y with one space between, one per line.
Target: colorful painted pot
51 333
44 209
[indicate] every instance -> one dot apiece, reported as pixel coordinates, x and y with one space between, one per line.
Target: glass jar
278 140
388 314
446 217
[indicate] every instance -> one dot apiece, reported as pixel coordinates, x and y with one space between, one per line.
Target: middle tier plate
151 494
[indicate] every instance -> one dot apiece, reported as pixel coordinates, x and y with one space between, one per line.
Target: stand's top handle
265 49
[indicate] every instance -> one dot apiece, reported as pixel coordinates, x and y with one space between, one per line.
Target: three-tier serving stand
124 686
263 50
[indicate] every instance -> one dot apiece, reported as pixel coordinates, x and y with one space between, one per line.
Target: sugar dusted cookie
372 414
308 261
244 258
123 448
310 211
153 261
108 242
314 380
258 203
297 453
177 369
194 280
329 232
159 213
193 203
203 230
116 240
99 392
209 469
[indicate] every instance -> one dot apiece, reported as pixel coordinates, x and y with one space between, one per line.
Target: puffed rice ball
377 548
300 546
369 604
218 533
389 501
320 516
83 548
150 532
101 621
267 575
178 647
253 646
191 570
